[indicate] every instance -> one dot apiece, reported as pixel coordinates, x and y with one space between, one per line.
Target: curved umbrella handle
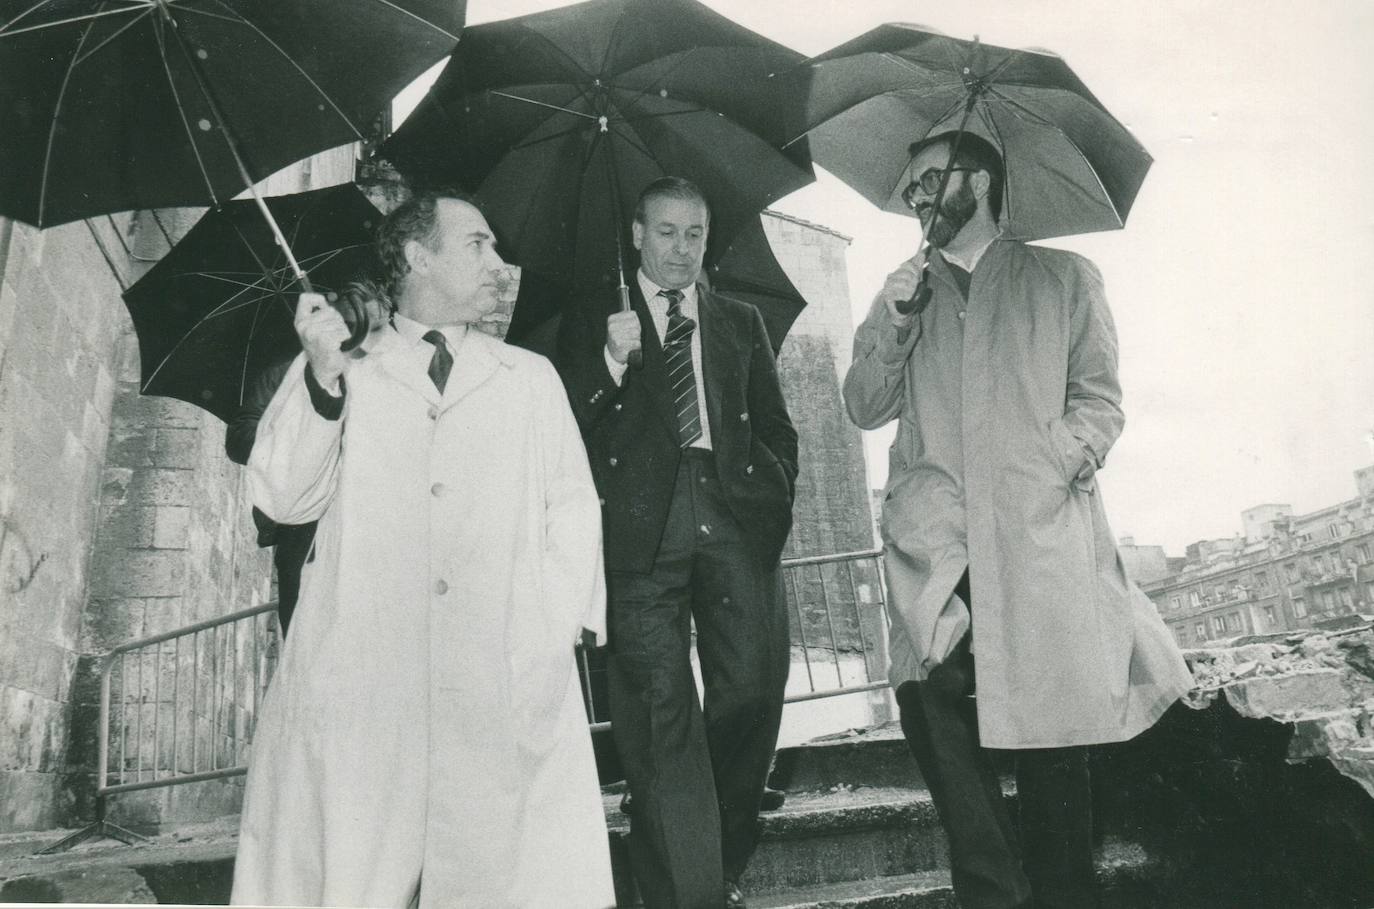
921 298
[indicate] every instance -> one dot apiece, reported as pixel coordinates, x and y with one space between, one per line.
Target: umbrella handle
636 358
921 298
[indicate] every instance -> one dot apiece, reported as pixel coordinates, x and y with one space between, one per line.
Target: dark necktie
677 352
441 362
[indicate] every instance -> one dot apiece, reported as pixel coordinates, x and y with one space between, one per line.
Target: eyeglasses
928 183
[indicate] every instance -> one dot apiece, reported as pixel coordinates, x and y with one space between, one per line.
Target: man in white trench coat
425 724
1014 625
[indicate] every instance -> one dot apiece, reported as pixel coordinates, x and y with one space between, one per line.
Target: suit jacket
631 431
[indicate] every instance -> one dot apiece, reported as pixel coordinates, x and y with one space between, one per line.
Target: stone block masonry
120 516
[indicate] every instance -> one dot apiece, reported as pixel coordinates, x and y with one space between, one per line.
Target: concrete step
846 835
1125 874
876 756
823 837
873 756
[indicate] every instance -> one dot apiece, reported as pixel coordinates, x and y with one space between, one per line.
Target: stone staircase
859 831
1207 811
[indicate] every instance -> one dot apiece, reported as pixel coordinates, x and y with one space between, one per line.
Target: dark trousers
696 772
1050 864
293 542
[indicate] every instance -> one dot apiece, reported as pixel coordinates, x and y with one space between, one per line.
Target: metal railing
842 600
837 612
179 707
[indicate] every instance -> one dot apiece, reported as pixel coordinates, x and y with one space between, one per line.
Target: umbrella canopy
218 308
750 271
557 120
112 106
1071 167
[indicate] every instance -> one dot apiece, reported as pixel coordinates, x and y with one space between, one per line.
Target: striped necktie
677 353
441 362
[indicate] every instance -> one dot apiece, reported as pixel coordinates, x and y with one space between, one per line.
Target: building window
1299 608
1362 552
1331 530
1174 602
1194 596
1233 622
1369 593
1328 598
1201 630
1292 569
1269 619
1347 597
1218 623
1261 578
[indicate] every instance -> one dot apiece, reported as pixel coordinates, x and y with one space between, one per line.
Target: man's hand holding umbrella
322 330
622 335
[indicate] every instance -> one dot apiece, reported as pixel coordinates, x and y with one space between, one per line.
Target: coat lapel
473 363
719 358
399 359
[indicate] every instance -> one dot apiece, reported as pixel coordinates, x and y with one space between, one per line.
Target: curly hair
417 218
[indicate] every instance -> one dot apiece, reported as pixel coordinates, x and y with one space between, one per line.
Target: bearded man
1014 624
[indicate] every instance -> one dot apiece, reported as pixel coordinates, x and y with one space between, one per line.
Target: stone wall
60 320
97 550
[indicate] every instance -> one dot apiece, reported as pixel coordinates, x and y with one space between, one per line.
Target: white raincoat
426 717
1001 400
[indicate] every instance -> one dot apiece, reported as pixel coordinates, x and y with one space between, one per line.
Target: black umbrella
557 120
1071 167
750 271
218 308
113 105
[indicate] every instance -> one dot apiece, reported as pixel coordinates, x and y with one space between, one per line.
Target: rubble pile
1322 684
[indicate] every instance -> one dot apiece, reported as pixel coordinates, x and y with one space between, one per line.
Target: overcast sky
1240 285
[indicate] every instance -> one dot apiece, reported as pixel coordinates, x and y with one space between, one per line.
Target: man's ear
417 256
637 234
982 181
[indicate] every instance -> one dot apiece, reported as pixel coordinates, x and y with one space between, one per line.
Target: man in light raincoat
425 725
1000 563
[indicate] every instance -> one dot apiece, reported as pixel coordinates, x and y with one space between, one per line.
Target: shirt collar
650 291
971 262
414 332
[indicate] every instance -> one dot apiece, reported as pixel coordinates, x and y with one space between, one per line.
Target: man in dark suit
695 458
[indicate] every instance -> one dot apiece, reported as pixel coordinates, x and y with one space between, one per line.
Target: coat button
961 315
433 413
441 587
744 418
437 490
603 502
613 462
619 406
749 470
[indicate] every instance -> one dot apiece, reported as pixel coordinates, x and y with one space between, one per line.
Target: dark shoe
733 898
625 804
772 799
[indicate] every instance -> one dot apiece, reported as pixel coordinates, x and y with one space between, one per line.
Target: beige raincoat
1001 401
426 714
